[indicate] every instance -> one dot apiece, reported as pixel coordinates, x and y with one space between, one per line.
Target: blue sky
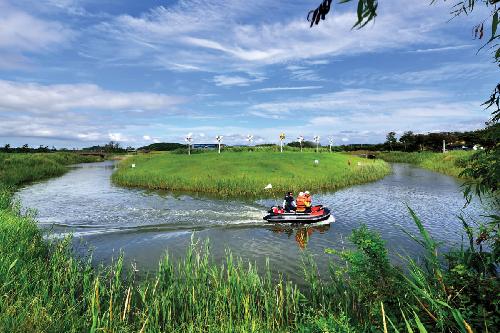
74 73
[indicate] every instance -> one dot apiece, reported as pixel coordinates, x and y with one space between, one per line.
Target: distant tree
408 140
163 146
305 144
391 139
6 148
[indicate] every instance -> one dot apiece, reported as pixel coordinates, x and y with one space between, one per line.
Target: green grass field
247 173
452 163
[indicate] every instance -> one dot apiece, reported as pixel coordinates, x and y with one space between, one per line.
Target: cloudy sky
79 72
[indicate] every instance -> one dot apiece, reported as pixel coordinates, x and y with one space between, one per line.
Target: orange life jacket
301 203
308 200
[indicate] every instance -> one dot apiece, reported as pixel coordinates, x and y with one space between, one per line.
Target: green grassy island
232 174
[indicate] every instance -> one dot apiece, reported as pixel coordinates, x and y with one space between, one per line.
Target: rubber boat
317 214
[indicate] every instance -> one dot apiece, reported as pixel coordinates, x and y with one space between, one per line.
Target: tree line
408 141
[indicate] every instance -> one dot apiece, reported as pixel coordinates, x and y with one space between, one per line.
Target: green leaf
421 327
494 25
360 11
12 265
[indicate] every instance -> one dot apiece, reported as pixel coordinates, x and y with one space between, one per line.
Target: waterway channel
144 224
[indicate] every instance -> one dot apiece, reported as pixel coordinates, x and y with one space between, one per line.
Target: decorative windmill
330 142
301 141
316 139
189 141
282 138
250 139
218 138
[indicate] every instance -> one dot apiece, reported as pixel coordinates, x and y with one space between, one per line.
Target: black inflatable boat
317 214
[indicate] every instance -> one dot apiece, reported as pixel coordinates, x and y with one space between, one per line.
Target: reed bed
247 173
452 163
16 169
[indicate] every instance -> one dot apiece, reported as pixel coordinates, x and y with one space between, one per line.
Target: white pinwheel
189 141
330 142
316 139
301 141
219 138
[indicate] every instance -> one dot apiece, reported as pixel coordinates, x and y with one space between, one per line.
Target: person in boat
289 203
308 201
301 203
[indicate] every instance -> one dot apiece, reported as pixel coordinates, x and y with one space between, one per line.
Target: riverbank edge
361 171
451 163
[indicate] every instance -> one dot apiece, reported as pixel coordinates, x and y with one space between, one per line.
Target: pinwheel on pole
301 141
218 138
330 142
282 138
316 139
250 139
189 141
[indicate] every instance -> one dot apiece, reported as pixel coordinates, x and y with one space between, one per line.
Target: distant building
207 146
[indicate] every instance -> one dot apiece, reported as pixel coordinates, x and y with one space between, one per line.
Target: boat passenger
301 203
308 201
289 202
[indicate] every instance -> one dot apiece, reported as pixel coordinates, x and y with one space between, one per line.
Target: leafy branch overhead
367 11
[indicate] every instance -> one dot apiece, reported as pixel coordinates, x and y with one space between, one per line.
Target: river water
144 224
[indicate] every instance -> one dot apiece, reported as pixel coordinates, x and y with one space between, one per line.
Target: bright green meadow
247 173
44 287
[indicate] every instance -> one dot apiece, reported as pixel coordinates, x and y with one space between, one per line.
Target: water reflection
302 233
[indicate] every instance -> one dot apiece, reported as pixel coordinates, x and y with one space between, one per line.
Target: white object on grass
269 186
316 162
133 165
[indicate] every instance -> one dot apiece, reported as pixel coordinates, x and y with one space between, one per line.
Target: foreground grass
247 173
44 288
452 163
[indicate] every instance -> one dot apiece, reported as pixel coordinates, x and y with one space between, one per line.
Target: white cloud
226 80
117 137
146 137
22 33
273 89
375 112
345 139
215 36
37 98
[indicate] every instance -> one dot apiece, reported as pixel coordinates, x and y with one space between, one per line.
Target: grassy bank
247 173
17 169
44 288
452 163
